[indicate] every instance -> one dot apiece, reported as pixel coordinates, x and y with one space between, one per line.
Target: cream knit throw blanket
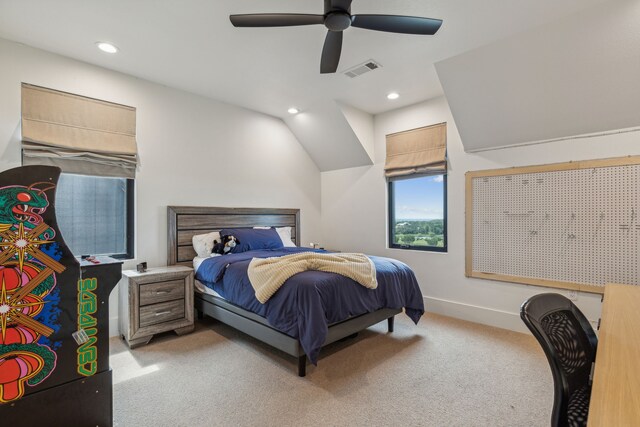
268 274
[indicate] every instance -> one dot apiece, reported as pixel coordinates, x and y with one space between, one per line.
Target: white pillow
285 236
203 243
284 233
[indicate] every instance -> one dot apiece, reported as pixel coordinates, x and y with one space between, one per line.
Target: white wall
194 151
354 203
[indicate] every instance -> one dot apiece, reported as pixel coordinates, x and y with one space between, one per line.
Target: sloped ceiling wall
362 125
578 75
329 138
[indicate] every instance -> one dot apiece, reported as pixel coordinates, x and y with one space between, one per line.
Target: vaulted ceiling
191 45
573 76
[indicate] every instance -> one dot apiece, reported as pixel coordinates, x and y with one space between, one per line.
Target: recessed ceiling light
293 110
393 95
106 47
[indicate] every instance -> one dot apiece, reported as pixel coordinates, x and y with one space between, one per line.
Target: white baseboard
471 313
477 314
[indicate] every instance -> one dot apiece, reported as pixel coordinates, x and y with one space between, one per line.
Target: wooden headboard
183 222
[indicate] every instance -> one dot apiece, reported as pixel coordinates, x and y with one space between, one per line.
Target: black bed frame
186 221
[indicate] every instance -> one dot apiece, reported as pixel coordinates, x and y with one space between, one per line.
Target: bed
185 221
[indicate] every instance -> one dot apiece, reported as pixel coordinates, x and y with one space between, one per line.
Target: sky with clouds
419 198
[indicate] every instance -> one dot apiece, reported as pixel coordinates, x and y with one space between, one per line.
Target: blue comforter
310 301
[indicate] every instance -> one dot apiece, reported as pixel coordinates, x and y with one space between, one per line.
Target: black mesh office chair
569 342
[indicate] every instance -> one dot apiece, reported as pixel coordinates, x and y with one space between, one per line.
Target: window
95 214
93 142
418 213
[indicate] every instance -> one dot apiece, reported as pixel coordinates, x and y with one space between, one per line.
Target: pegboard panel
569 225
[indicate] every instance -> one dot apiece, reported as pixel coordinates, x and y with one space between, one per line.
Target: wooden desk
615 397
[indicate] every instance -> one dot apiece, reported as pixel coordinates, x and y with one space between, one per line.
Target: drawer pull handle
162 292
160 313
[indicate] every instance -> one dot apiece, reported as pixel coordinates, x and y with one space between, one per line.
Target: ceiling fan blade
397 24
331 52
275 19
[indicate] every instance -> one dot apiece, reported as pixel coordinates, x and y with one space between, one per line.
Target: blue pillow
250 239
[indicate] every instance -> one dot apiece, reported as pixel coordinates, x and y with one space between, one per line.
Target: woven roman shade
78 134
417 151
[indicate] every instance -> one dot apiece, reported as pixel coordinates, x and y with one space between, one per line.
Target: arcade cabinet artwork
54 332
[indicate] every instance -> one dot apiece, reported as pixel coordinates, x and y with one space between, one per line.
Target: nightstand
158 300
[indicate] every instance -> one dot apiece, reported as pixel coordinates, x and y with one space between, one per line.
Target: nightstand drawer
162 312
153 293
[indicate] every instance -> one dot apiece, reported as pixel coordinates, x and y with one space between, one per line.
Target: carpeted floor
443 372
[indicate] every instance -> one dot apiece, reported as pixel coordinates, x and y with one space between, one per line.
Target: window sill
413 249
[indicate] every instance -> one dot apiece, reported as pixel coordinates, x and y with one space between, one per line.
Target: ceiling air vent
359 70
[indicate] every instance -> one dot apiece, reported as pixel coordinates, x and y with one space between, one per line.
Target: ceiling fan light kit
337 21
337 18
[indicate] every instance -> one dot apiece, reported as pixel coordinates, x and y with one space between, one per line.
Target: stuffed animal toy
225 247
230 242
218 248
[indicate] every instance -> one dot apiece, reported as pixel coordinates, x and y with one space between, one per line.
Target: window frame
391 218
130 222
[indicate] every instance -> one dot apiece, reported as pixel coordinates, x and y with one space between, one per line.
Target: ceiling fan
337 18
